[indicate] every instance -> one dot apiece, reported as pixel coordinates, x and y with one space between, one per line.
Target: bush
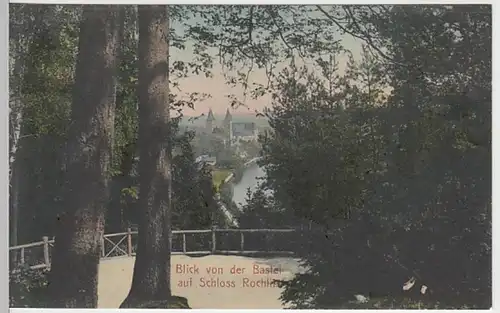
218 177
226 193
173 302
238 174
27 288
399 304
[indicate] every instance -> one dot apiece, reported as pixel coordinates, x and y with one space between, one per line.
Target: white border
288 2
212 310
5 120
495 168
4 151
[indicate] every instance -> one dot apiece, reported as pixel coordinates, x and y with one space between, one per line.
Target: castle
232 132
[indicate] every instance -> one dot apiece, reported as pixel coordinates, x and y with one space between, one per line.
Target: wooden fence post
103 249
184 243
46 258
242 242
129 241
22 256
214 245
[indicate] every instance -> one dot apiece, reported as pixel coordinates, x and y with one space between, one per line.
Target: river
250 180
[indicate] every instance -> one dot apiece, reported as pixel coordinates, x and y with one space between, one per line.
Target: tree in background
42 104
403 206
87 161
44 42
425 149
445 190
42 74
251 148
260 211
226 192
316 160
193 199
125 151
151 278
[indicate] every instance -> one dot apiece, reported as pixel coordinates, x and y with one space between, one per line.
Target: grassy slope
218 176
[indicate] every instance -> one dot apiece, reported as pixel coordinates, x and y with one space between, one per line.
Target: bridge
36 255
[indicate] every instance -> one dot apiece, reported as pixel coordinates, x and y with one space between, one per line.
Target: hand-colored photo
250 156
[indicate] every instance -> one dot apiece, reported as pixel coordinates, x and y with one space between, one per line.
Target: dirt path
231 282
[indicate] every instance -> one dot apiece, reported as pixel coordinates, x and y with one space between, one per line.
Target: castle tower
227 120
210 121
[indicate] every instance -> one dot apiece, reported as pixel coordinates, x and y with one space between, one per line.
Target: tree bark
75 259
151 278
14 204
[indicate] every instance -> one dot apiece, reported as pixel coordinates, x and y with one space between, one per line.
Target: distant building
243 131
226 124
209 125
231 132
205 160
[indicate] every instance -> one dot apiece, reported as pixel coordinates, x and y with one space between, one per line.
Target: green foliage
227 192
252 37
132 192
42 84
306 126
387 167
218 176
251 148
238 173
260 211
193 189
173 302
27 288
126 115
398 304
388 187
226 196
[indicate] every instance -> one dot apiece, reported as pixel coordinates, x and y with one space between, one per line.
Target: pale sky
218 89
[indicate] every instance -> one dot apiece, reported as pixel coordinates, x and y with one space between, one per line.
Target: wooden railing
123 244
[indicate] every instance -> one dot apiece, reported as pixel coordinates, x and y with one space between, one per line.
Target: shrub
27 287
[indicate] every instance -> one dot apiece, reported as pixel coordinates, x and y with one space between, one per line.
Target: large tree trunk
151 278
74 269
14 204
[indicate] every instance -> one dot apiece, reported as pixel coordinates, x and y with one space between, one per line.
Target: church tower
227 121
226 124
210 121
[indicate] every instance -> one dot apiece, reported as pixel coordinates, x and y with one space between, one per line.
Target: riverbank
224 176
233 188
249 180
